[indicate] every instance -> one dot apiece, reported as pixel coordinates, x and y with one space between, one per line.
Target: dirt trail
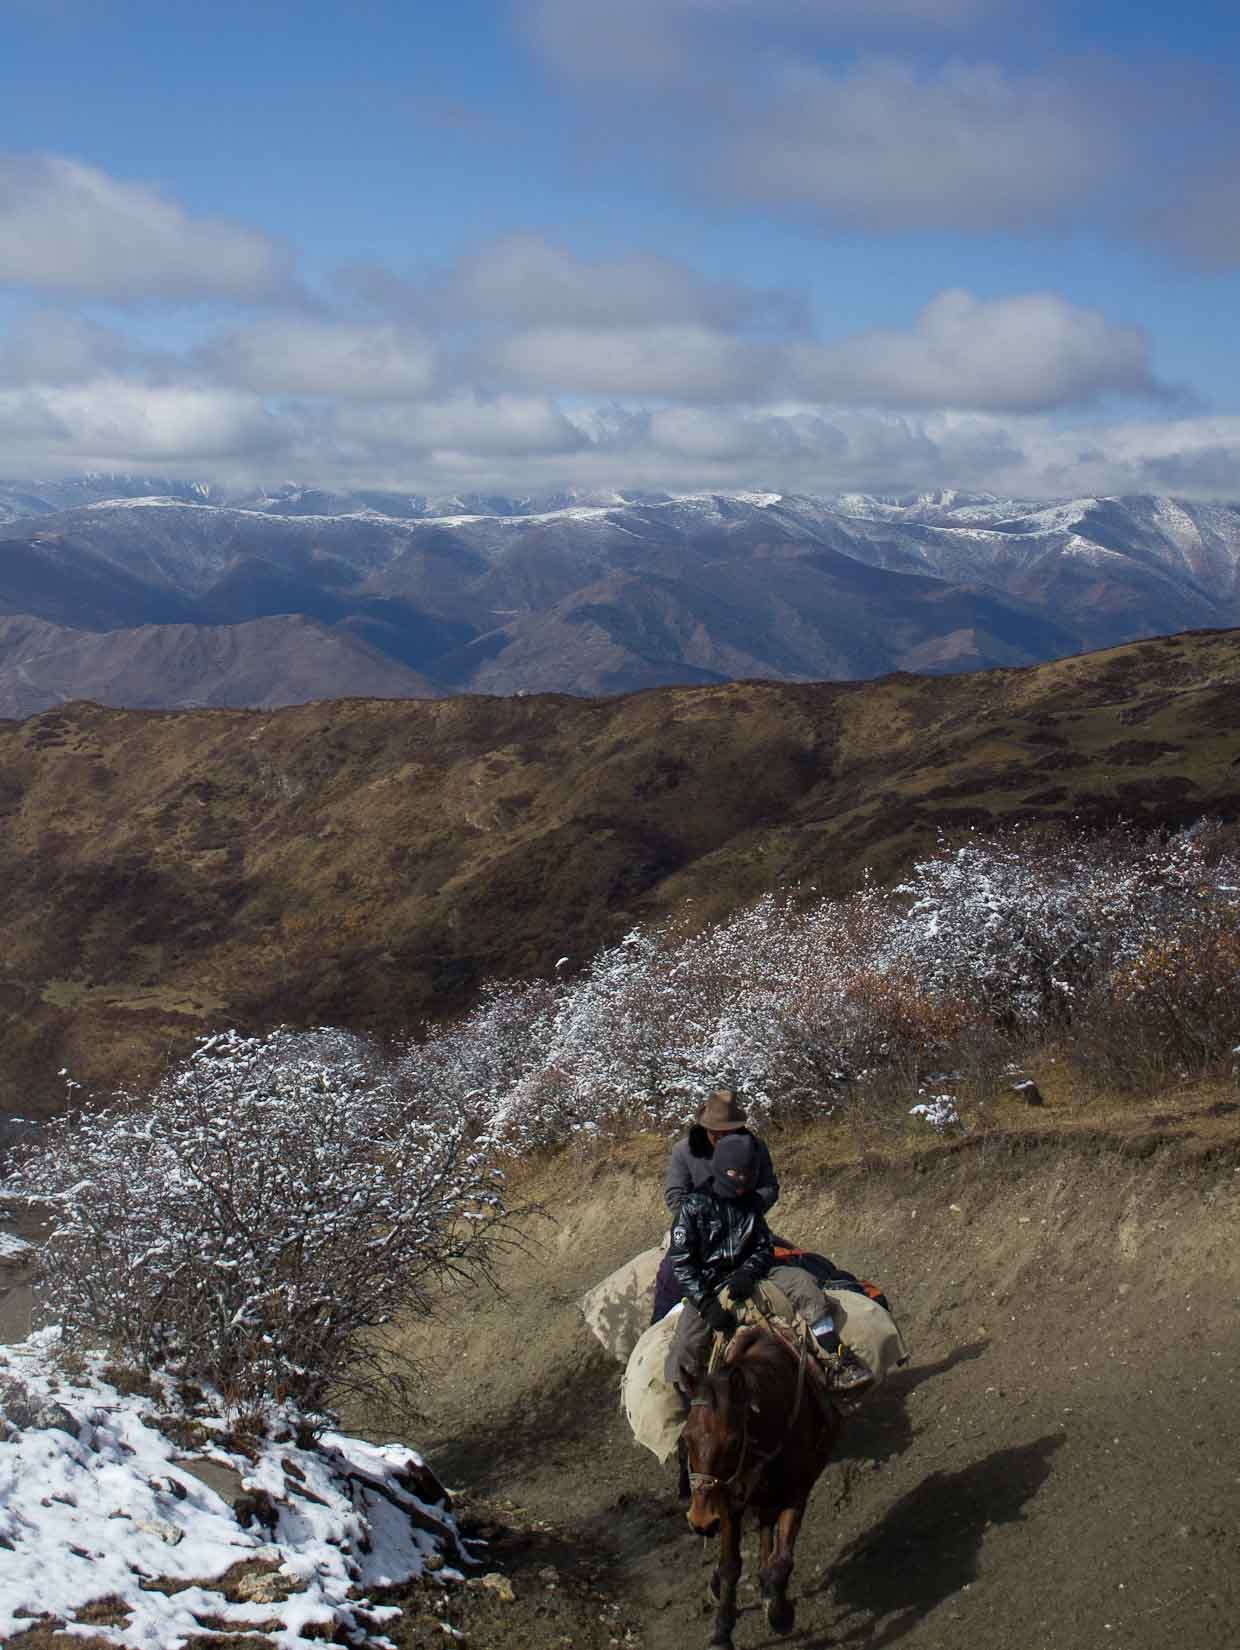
1058 1468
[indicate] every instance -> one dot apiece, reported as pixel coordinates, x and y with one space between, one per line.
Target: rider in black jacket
715 1238
720 1236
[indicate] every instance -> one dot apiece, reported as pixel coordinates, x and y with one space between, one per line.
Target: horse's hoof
781 1615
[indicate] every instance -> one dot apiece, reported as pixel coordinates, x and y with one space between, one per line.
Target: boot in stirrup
847 1374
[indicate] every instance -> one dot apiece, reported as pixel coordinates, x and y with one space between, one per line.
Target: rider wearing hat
689 1168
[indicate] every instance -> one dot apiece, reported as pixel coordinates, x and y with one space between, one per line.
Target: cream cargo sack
653 1405
618 1309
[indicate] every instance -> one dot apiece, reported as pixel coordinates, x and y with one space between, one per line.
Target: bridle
707 1481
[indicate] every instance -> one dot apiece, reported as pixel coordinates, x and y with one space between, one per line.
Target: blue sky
811 244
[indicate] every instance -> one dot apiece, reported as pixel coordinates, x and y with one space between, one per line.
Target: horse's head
715 1435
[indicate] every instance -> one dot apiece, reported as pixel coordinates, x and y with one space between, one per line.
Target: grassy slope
368 862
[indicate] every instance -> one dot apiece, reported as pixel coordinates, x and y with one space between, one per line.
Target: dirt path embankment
1058 1468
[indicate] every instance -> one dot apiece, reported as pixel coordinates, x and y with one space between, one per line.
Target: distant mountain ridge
589 593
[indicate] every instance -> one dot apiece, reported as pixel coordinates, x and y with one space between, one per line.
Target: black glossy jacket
712 1237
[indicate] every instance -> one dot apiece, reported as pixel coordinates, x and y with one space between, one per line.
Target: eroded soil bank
1058 1468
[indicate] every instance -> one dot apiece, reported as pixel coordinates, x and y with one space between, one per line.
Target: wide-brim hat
721 1112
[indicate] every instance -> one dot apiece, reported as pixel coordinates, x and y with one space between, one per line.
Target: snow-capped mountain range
137 590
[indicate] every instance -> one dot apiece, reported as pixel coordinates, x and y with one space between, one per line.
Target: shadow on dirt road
926 1546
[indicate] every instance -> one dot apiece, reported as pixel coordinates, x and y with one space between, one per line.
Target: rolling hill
370 862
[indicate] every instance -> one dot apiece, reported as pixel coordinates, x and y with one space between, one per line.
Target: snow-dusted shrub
940 1112
612 1047
799 1002
495 1067
469 1066
271 1201
781 1002
1017 923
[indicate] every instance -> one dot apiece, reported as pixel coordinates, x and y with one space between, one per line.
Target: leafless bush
1171 1011
273 1201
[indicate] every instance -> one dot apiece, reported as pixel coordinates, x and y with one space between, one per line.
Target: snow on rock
14 1248
98 1493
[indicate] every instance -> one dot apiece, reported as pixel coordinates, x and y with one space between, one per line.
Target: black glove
717 1316
741 1285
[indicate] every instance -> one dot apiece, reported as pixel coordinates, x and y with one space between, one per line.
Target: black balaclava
738 1152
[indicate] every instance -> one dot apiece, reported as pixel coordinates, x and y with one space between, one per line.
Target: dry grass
50 1635
808 1151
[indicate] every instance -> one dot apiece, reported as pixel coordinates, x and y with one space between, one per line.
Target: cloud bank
902 115
523 365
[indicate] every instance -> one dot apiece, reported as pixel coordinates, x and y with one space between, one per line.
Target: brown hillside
368 862
273 661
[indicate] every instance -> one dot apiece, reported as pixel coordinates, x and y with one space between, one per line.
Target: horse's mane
759 1355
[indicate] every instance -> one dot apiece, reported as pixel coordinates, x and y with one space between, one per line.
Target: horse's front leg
766 1538
776 1572
726 1576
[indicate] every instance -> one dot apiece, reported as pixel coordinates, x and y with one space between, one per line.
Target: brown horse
758 1434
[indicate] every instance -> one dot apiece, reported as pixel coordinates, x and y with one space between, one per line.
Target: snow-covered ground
95 1499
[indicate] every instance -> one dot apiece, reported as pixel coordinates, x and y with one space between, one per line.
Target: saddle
768 1310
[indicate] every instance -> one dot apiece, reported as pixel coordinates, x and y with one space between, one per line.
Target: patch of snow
939 1111
760 501
90 1513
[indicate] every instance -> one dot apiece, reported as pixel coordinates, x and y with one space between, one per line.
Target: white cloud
684 362
1027 353
509 426
523 443
776 104
841 449
1200 217
1030 352
67 227
375 363
526 280
117 422
886 146
643 42
55 347
727 436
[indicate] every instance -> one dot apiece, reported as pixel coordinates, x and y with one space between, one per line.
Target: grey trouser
690 1346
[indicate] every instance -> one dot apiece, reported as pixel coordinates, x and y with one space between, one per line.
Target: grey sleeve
678 1181
768 1182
